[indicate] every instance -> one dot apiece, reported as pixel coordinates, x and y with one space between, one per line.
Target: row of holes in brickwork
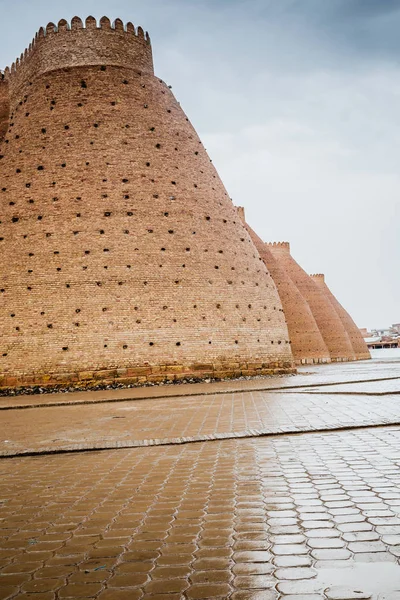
176 281
16 219
152 344
217 305
63 165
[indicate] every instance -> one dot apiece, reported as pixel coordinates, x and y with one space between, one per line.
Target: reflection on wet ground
296 517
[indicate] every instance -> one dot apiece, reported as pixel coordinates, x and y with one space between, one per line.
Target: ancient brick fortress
320 329
122 254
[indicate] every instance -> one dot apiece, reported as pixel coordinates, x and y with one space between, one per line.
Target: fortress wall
307 344
331 327
69 45
121 252
357 341
4 106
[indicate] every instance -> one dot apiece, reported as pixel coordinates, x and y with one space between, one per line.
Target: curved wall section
357 341
331 327
307 344
121 252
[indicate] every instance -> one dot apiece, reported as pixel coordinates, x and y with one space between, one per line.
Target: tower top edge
278 244
90 27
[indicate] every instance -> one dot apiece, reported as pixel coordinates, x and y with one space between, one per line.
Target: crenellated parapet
76 44
318 277
278 245
241 213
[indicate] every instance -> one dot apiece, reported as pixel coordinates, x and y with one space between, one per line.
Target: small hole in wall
83 84
65 348
177 343
151 343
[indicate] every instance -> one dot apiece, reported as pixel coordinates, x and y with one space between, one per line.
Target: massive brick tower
330 325
121 253
357 341
307 343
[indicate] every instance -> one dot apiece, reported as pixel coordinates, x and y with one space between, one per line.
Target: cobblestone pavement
177 420
301 517
310 516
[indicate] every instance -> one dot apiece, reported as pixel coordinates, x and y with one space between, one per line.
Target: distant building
388 337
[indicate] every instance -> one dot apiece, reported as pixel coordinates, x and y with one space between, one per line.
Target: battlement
240 211
80 44
318 276
278 245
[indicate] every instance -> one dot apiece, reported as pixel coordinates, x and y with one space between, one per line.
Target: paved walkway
188 419
314 516
305 517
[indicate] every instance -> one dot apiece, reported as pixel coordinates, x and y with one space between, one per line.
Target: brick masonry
357 341
329 323
122 254
308 346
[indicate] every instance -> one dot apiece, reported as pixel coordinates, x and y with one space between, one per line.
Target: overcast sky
298 105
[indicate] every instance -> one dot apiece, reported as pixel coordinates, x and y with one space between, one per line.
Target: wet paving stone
184 418
262 518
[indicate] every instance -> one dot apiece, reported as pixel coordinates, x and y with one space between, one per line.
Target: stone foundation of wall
146 374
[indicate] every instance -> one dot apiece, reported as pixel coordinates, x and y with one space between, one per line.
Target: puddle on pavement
361 578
